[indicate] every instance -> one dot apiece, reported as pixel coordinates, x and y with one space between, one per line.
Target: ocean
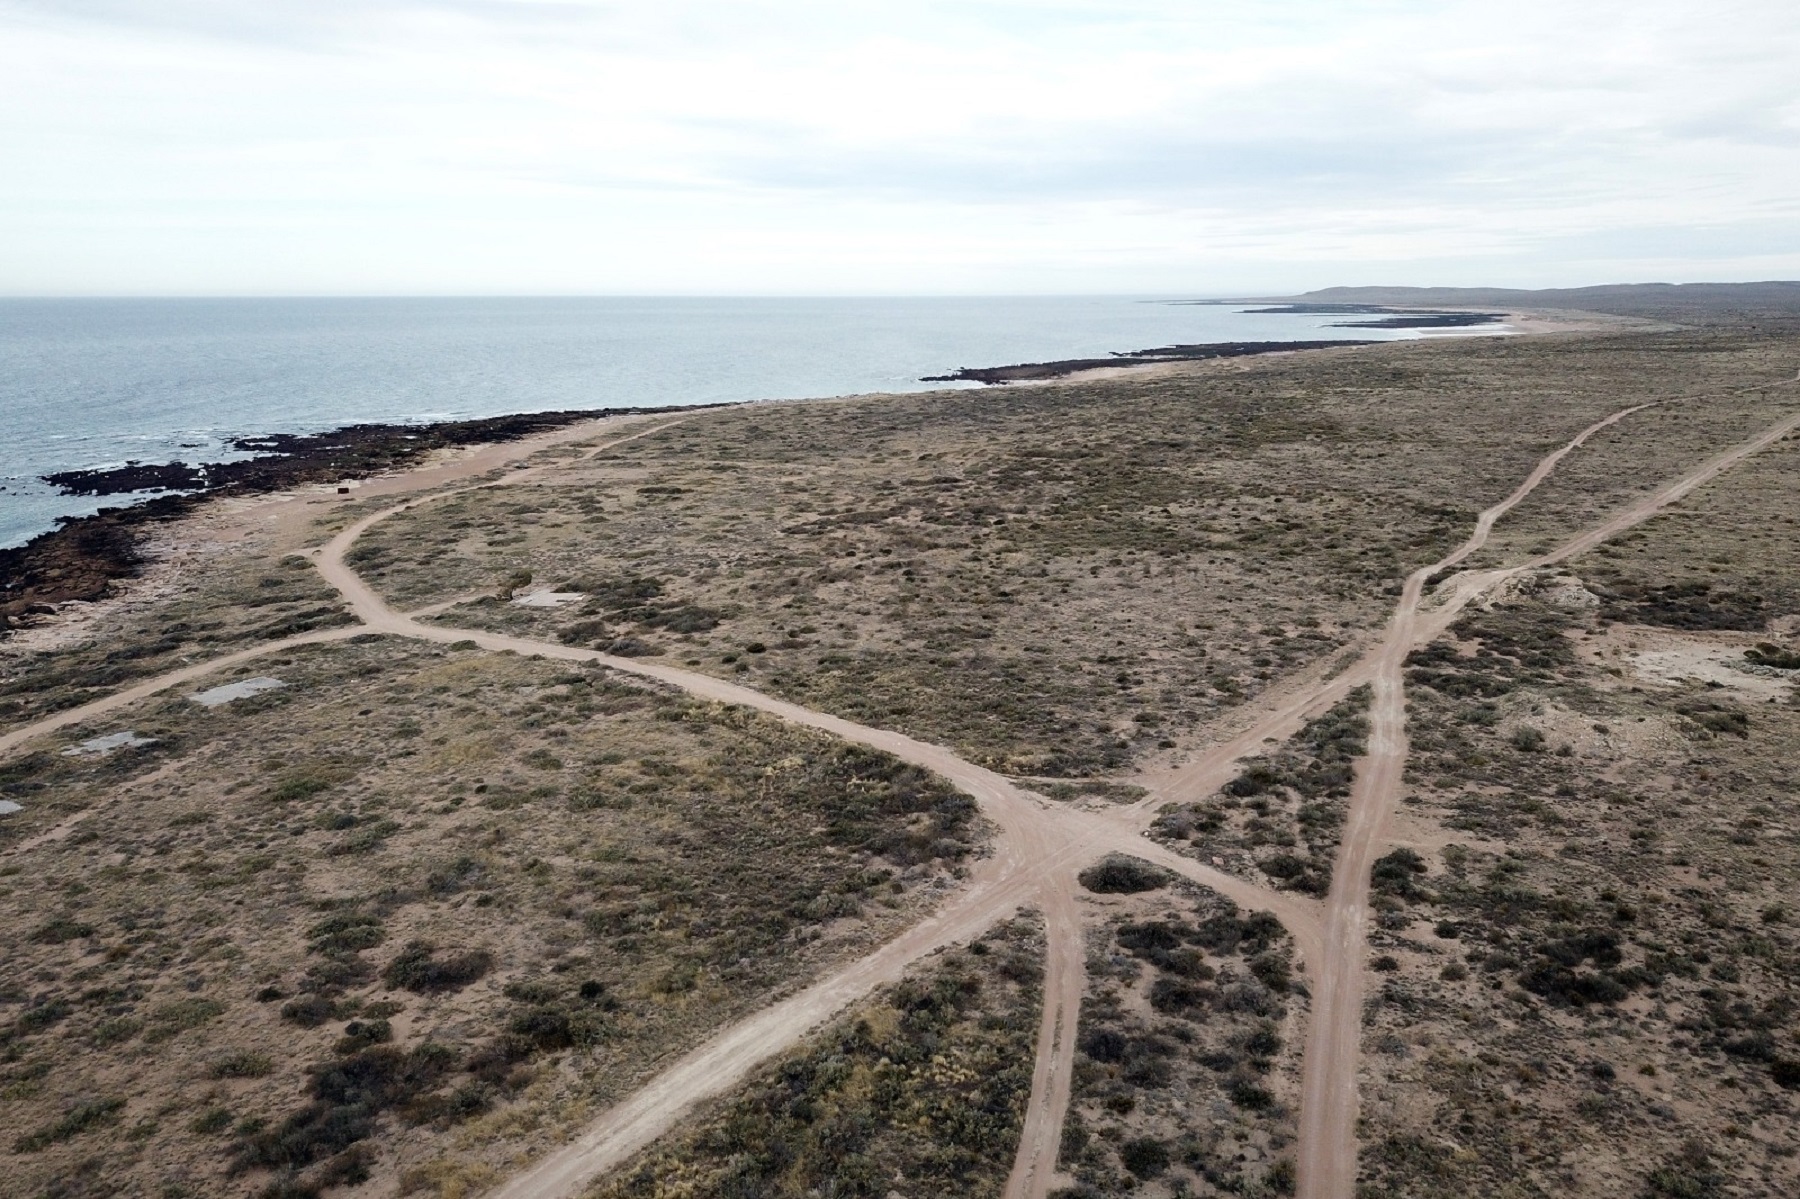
94 383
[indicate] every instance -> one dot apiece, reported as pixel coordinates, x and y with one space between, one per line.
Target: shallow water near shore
92 383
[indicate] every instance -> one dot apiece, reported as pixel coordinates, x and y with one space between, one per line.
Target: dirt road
1036 854
1327 1164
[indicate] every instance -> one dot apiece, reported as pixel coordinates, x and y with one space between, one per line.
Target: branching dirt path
1035 856
1328 1109
162 682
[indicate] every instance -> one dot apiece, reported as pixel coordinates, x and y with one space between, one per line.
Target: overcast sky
774 146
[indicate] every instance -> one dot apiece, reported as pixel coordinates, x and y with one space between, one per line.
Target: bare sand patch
1665 658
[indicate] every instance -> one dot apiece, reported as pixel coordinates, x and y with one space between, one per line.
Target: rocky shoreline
81 559
1024 372
1386 317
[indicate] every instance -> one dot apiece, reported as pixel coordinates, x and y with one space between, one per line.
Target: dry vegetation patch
1187 1072
245 600
1591 988
1057 581
1278 821
918 1092
417 899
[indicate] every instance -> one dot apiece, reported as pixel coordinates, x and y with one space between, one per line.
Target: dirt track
1036 854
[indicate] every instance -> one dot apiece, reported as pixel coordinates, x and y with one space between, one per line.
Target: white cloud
763 146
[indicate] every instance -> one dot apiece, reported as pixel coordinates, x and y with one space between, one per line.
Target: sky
271 147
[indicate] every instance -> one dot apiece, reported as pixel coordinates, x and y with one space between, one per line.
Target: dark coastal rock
1426 320
79 560
82 558
132 477
1391 317
1321 310
352 452
1027 371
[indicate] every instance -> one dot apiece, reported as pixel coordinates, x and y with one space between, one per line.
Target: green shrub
1249 1095
1527 739
1227 933
1688 1174
1766 654
457 875
308 1011
297 787
213 1119
1717 718
1556 974
360 1034
1119 875
179 1016
116 1031
60 930
1145 1157
89 1113
345 932
348 1095
1272 970
43 1015
242 1064
1395 874
418 970
332 974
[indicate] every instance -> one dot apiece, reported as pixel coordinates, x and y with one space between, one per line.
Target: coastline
1434 324
83 559
1032 372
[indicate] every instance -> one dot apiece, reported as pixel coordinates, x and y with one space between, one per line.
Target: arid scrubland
1056 581
421 913
1188 1068
240 598
1277 822
1588 948
917 1092
416 914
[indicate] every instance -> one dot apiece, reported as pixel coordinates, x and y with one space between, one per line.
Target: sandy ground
1662 657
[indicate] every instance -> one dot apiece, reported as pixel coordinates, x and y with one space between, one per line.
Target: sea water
93 383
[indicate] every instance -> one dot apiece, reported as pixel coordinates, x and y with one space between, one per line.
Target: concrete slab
243 689
547 599
97 746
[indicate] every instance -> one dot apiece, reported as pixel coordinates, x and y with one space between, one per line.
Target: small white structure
98 746
243 689
547 599
8 807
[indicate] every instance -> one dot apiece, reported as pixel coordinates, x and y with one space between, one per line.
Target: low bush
1687 1174
347 1096
1145 1157
60 930
419 970
87 1114
1767 654
241 1064
308 1011
345 932
1119 875
1526 739
1396 874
